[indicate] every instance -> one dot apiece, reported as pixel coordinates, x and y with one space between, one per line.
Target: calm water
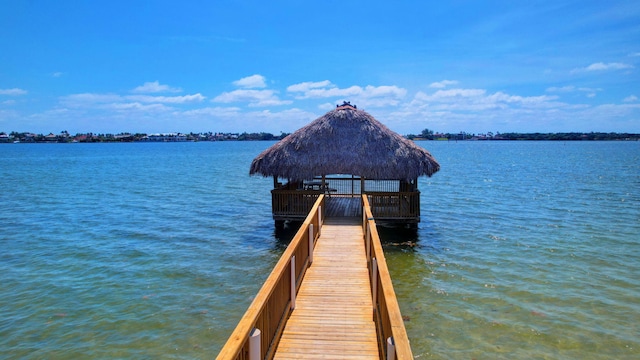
526 250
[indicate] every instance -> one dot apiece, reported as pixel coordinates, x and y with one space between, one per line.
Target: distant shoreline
65 137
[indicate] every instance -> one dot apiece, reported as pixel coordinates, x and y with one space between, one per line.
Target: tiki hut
345 153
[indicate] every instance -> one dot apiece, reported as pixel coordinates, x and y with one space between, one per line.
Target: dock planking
343 206
333 318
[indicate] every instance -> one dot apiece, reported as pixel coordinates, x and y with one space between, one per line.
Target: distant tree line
428 134
65 137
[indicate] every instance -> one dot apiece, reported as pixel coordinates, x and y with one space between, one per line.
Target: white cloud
591 90
57 74
327 106
315 93
609 66
452 94
12 92
214 111
253 97
136 106
443 84
631 98
251 82
88 99
308 85
569 88
380 96
167 99
236 119
385 90
469 100
374 96
155 87
603 67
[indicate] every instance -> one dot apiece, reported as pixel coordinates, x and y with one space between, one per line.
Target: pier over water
329 296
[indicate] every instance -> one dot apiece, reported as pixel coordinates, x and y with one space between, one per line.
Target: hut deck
343 206
333 317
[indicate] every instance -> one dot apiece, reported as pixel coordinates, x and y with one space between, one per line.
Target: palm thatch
345 141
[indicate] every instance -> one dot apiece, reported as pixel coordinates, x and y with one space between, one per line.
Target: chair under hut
343 154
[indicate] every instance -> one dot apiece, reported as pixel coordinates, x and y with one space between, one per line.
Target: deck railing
292 203
395 205
259 331
385 205
393 341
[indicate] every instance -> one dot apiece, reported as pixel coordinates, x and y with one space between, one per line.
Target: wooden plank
333 318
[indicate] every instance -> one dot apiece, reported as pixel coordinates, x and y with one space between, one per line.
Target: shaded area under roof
345 141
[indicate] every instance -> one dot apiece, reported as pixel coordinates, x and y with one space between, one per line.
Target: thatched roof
345 141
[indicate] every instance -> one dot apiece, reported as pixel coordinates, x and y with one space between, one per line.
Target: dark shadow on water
424 236
398 237
284 233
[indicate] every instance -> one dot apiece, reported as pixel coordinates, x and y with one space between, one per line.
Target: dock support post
319 219
254 344
311 239
391 348
293 282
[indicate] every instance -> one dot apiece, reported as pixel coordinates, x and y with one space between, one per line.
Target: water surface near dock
525 250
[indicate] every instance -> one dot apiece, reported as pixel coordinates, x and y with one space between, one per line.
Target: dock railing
393 341
390 200
257 334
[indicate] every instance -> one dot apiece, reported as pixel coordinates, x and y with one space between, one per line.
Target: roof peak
346 105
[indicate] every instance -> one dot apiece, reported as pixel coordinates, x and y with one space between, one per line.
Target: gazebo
346 153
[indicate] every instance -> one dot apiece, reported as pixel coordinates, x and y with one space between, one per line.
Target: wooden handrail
270 309
389 322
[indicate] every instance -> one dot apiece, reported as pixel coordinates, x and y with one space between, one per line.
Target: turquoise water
526 250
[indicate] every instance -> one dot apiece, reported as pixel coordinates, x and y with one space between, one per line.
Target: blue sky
234 66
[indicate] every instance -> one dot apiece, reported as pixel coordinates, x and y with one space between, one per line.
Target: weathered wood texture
343 206
333 318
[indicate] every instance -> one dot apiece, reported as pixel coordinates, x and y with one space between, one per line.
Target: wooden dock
329 296
343 206
333 316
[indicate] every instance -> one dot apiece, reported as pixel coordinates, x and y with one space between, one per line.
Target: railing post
311 240
254 345
364 217
368 240
374 282
293 282
391 348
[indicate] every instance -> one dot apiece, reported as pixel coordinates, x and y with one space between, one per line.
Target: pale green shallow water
526 250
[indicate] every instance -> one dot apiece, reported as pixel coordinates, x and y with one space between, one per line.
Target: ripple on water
525 250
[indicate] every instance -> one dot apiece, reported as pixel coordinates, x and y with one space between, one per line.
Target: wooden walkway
343 206
333 317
